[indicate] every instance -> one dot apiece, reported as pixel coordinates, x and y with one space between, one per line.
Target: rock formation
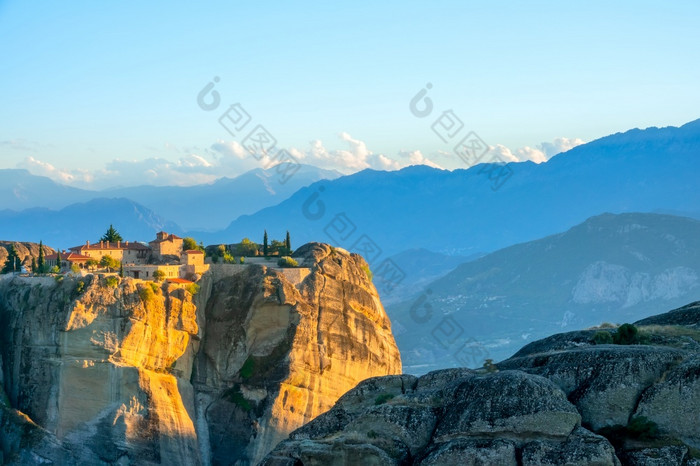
25 251
100 370
560 400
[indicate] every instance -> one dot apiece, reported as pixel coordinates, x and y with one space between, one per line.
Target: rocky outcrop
25 251
104 370
560 400
277 352
447 417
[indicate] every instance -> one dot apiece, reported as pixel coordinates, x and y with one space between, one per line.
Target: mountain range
611 268
460 212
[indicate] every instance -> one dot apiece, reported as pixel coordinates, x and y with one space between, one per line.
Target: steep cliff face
91 363
115 371
281 348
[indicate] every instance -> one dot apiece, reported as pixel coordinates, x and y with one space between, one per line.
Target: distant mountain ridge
77 223
458 212
217 204
614 268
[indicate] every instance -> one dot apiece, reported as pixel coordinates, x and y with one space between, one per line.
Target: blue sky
83 84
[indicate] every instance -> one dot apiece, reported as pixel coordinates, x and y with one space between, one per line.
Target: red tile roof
181 281
104 246
69 256
193 251
170 237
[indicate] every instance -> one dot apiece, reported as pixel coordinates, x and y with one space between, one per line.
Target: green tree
265 244
41 262
109 262
189 243
112 235
13 262
58 260
121 270
34 265
288 243
158 275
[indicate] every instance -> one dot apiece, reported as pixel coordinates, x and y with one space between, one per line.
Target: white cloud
228 158
417 158
559 145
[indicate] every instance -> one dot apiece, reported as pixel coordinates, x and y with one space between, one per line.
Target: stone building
123 251
165 245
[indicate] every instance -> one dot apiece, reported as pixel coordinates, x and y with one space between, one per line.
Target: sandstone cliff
98 371
561 400
25 251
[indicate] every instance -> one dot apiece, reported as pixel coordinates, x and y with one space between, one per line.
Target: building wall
145 272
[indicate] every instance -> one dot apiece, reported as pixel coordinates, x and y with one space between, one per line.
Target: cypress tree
288 243
41 263
265 244
58 260
13 263
33 264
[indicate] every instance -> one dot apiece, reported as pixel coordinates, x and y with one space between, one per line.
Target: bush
287 261
146 294
158 275
75 268
372 434
248 368
626 334
242 260
602 338
193 288
642 428
235 396
490 366
112 282
383 398
228 258
79 287
154 287
55 269
369 273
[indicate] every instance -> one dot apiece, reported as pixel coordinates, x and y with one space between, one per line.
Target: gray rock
471 452
605 381
509 402
662 456
581 448
674 403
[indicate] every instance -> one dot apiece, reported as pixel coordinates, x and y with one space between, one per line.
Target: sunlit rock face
105 372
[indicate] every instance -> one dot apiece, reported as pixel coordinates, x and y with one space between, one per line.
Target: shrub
642 428
154 287
55 269
369 273
372 434
287 261
112 282
158 275
242 260
193 288
602 338
80 287
109 262
146 294
248 368
383 398
235 396
75 268
490 366
228 258
626 334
